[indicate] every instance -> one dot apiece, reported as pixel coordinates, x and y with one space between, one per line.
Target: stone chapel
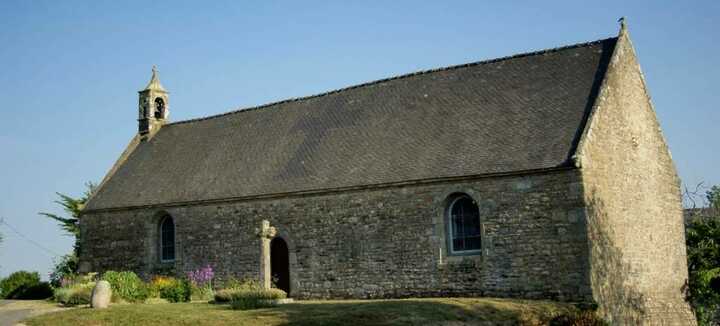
539 175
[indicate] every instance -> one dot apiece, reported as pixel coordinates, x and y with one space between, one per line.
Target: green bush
582 318
225 295
253 299
74 279
229 295
178 291
158 283
74 295
247 294
234 286
126 286
39 291
22 285
202 293
170 289
65 269
703 255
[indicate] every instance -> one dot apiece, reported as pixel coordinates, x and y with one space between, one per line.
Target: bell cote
153 108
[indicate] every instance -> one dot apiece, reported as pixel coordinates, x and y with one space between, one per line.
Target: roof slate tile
518 113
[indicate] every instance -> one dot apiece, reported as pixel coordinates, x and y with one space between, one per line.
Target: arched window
159 108
167 239
464 225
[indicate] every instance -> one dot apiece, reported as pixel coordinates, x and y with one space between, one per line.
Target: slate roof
518 113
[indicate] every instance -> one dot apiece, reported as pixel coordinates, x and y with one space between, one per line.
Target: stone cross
266 233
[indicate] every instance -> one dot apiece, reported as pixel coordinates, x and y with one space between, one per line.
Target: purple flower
201 277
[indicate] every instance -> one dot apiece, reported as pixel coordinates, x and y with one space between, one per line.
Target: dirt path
13 311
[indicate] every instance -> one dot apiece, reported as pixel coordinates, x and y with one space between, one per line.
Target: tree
703 251
68 265
73 207
1 236
713 197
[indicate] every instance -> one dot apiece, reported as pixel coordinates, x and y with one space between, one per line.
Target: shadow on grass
413 312
431 311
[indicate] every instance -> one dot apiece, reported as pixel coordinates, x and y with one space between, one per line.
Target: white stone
101 295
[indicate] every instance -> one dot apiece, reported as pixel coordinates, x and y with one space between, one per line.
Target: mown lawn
347 312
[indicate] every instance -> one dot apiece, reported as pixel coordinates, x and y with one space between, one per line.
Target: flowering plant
65 268
71 280
66 282
162 281
202 277
170 288
201 281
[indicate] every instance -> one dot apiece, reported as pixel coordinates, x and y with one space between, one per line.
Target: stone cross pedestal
266 233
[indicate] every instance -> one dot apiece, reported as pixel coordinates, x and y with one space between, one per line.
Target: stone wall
635 220
381 242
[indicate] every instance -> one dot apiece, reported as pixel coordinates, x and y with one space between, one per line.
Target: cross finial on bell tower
153 108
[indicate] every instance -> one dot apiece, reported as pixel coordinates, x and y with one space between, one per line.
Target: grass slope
346 312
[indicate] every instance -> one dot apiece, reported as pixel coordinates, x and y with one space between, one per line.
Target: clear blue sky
71 71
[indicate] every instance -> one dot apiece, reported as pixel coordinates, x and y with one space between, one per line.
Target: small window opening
464 225
167 240
159 108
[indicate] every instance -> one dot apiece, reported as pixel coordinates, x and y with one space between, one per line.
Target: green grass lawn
347 312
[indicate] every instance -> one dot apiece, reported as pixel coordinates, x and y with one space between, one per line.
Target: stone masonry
637 260
374 243
561 151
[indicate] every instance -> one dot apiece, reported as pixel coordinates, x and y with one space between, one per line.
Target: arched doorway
280 264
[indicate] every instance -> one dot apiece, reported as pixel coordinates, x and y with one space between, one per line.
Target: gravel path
13 311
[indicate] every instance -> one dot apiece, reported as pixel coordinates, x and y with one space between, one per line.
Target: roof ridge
383 80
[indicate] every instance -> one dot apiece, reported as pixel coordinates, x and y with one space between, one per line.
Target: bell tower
153 108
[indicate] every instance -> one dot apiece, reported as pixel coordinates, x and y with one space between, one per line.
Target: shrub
703 252
84 278
74 295
178 291
157 283
225 295
201 281
39 291
21 284
233 286
204 293
248 294
126 286
253 299
201 277
582 318
64 269
77 279
170 289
